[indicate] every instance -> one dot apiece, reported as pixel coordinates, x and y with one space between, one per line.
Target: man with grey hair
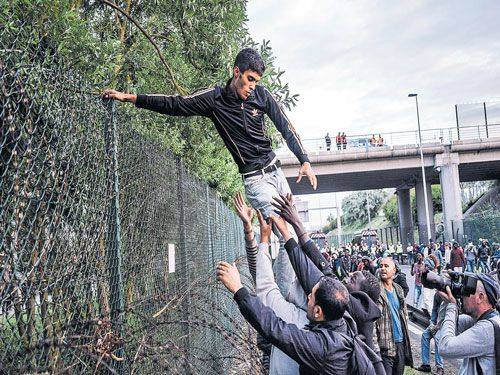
473 337
392 327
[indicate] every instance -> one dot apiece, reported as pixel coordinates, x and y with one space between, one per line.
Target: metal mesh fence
482 226
108 245
478 120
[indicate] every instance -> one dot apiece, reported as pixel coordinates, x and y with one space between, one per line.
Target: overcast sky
354 62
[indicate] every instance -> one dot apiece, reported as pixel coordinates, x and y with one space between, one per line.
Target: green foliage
437 204
199 40
354 206
391 206
332 224
391 210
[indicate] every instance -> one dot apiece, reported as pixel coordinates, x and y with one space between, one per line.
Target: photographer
471 335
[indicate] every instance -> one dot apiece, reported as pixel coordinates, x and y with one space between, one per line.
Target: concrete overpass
399 167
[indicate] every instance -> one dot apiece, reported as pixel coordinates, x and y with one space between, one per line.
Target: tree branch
181 90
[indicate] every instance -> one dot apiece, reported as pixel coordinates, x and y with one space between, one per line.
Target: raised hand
288 211
244 212
229 275
265 228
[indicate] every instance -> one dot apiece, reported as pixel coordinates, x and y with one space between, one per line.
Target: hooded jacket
364 312
240 123
361 308
319 348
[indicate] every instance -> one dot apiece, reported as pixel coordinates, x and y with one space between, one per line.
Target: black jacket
318 348
240 123
400 279
361 308
364 312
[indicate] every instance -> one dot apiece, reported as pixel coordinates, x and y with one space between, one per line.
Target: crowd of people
343 309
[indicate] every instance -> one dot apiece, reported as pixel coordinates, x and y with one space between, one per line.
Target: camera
461 284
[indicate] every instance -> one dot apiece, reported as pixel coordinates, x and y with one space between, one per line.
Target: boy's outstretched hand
117 95
306 170
229 275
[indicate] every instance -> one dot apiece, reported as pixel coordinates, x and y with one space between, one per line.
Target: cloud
353 63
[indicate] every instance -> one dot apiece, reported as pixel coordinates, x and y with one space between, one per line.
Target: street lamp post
427 219
368 210
339 221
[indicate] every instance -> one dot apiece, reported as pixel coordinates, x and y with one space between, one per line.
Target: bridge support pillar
405 216
447 164
423 236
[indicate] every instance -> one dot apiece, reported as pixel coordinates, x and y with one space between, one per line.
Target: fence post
456 117
485 119
184 267
209 230
113 239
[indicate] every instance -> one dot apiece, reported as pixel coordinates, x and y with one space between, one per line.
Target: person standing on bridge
338 140
237 111
328 142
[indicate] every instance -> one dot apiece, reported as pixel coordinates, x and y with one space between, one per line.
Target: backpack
363 361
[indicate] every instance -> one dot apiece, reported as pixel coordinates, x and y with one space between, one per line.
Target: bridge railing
403 138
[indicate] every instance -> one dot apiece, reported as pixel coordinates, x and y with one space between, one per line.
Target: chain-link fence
108 245
482 226
478 120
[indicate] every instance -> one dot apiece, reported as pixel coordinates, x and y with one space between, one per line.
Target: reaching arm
269 294
246 214
289 212
285 127
301 345
313 253
307 273
197 104
478 338
251 250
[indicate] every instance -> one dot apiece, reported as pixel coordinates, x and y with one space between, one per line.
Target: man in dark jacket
237 111
363 287
364 311
323 346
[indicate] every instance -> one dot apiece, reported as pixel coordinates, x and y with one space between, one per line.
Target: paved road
451 367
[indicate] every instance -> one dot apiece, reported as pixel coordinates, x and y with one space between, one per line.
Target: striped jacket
240 123
383 326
